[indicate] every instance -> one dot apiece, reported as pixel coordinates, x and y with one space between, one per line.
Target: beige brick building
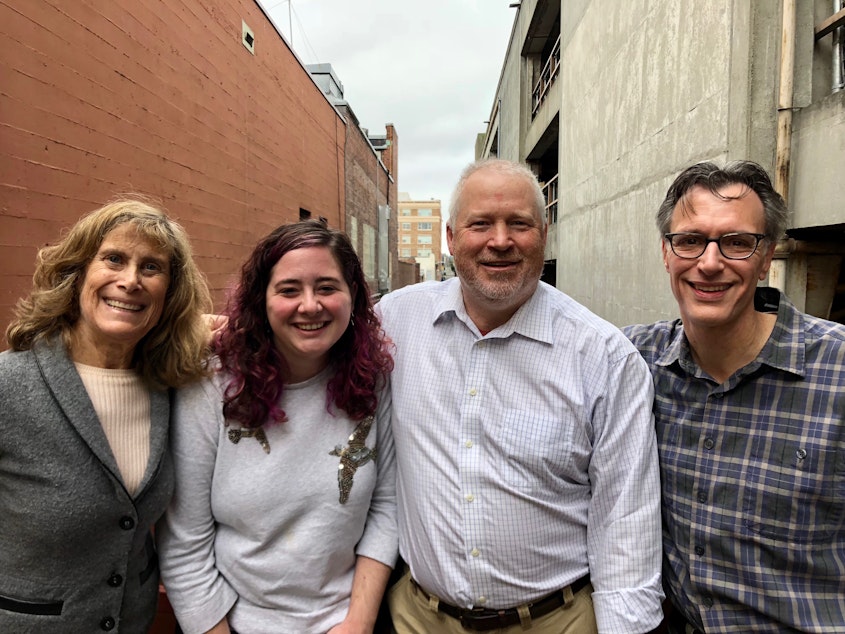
418 235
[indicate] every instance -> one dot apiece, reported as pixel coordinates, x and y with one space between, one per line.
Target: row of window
421 226
421 253
414 212
420 239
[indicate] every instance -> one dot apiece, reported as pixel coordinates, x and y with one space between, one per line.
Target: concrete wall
650 87
817 190
160 98
629 123
646 88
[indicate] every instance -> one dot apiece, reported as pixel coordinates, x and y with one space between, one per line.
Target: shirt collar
784 349
531 320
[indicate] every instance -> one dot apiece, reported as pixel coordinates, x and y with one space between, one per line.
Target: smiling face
121 298
712 291
498 242
309 305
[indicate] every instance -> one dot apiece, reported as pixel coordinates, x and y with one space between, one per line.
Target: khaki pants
412 614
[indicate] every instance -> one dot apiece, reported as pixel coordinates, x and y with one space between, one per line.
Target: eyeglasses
734 246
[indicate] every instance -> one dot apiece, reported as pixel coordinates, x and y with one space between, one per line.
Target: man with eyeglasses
750 415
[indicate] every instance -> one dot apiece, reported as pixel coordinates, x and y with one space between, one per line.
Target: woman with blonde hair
114 320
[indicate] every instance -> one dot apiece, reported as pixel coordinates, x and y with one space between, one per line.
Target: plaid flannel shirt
753 478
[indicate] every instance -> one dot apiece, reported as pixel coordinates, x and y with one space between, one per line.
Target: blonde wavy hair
174 352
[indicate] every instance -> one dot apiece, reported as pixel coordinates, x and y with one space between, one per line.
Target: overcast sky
429 67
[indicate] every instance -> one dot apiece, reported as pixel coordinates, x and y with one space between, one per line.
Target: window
405 253
405 212
423 212
423 239
406 239
406 226
424 253
353 232
424 226
368 259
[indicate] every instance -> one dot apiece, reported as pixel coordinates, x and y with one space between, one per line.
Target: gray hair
503 166
714 179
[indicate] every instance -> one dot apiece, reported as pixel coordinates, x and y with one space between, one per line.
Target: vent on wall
247 37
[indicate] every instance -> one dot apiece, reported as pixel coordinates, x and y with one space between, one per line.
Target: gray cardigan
76 551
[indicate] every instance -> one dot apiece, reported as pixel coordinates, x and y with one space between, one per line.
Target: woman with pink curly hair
284 514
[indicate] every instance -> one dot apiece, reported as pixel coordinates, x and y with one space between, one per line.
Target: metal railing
550 193
835 25
547 77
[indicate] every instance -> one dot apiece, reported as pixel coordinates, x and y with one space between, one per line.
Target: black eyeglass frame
758 236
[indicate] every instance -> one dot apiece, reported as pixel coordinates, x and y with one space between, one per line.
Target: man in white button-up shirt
528 477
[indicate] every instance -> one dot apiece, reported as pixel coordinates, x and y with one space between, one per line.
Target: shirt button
702 496
468 444
115 580
475 552
127 523
482 600
473 391
107 623
470 497
709 444
718 395
801 454
708 601
699 550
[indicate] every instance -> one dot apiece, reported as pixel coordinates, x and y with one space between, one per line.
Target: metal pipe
838 71
785 95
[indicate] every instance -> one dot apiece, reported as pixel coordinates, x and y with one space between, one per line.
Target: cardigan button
127 523
115 580
107 623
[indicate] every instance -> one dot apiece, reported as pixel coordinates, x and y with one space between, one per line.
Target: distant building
370 163
418 233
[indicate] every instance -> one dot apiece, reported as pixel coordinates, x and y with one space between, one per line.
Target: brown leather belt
483 619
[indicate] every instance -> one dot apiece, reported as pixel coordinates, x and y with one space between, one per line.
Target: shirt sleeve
199 594
624 530
380 540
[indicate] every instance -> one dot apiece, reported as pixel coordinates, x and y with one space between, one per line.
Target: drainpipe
785 96
838 80
779 271
499 135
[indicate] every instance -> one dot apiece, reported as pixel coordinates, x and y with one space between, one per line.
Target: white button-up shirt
526 457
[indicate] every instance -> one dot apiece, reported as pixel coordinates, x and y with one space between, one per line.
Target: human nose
310 303
711 259
130 278
500 237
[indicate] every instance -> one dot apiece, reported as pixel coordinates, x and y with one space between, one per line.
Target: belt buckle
481 622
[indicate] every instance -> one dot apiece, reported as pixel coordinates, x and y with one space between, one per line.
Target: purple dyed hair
249 356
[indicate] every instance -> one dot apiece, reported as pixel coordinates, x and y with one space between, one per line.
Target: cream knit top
122 403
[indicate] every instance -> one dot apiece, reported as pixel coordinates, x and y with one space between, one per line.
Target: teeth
116 304
311 326
711 289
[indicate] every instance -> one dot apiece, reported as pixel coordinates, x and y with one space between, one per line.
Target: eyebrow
319 280
154 257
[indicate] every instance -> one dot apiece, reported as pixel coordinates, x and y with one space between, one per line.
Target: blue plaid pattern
753 478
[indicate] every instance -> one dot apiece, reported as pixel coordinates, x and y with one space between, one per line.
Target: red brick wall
160 98
368 184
